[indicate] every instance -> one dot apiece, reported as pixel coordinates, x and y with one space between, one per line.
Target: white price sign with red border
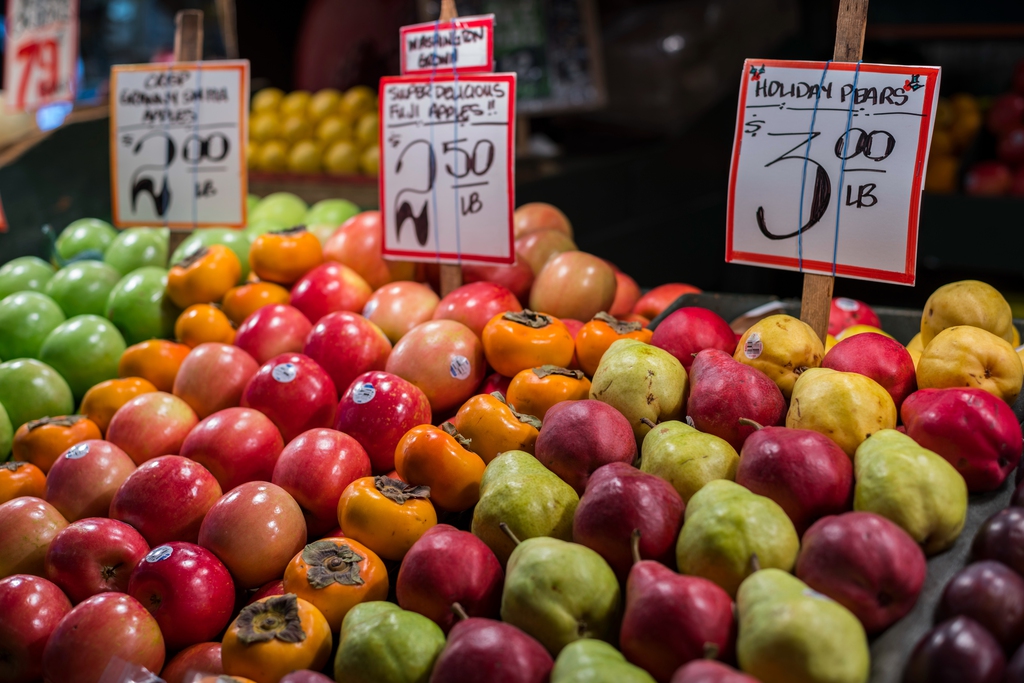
465 44
40 53
828 166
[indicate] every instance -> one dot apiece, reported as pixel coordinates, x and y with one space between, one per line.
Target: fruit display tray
891 649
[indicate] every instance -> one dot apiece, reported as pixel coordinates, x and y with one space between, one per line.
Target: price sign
41 53
465 44
446 178
177 143
828 166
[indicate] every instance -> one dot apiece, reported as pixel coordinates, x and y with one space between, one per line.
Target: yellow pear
781 347
861 329
847 407
915 348
1016 336
966 356
968 302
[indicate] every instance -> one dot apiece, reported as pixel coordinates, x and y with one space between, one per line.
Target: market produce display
275 456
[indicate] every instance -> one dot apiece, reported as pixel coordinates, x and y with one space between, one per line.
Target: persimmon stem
508 532
634 545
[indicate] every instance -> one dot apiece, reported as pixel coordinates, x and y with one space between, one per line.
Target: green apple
84 350
24 273
85 234
331 211
6 434
82 287
323 231
280 207
235 240
31 389
254 230
138 247
26 318
138 307
251 201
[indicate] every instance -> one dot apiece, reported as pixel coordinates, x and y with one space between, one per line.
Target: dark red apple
31 607
328 288
689 330
475 304
294 392
187 590
1010 147
958 650
166 499
651 304
236 445
444 358
517 278
1006 113
213 376
493 651
398 307
267 590
988 179
881 358
346 345
201 658
846 312
94 555
84 479
271 331
27 526
495 382
627 293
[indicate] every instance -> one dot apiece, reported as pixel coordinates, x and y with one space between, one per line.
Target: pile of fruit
331 469
325 132
957 122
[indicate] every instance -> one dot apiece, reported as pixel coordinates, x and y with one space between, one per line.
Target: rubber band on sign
455 141
803 176
433 185
842 166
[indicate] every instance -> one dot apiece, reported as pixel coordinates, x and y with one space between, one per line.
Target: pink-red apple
495 382
846 312
536 216
881 358
540 246
651 304
151 425
236 445
574 284
27 526
328 288
688 331
346 345
444 358
84 479
315 468
255 529
166 499
271 331
357 244
294 392
398 307
988 179
475 304
627 293
94 555
517 278
213 376
187 590
267 590
1006 113
201 658
31 607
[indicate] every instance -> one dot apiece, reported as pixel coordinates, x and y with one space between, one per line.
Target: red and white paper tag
465 45
40 53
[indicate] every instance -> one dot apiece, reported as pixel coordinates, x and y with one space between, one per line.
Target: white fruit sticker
159 554
689 421
77 451
363 393
284 373
460 367
753 348
370 307
847 304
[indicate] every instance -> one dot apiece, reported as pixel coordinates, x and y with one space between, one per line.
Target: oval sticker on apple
460 367
370 307
689 421
847 304
159 554
753 348
77 451
284 373
363 393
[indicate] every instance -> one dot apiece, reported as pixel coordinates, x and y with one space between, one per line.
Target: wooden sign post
817 295
451 274
188 47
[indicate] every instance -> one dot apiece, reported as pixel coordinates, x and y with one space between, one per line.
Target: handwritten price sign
828 165
177 143
446 179
41 53
464 44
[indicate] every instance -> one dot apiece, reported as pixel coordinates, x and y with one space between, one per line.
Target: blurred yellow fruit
295 103
944 113
356 100
964 103
252 155
860 329
942 143
342 158
369 162
273 156
366 129
941 176
830 341
964 128
268 99
304 157
295 128
264 126
323 103
332 129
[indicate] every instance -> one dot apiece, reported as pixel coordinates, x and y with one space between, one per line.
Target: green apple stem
634 545
648 422
460 613
508 532
710 651
750 423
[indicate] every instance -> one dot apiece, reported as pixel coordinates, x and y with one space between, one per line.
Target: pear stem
460 613
648 422
747 422
634 545
508 532
755 563
710 650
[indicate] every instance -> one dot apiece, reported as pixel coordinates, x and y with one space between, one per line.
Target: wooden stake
188 47
817 295
451 274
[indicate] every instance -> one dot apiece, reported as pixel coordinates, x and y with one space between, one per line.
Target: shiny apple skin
651 304
475 304
346 345
294 405
151 425
517 278
357 244
105 626
213 376
94 555
31 607
82 486
166 499
398 307
199 658
426 357
574 284
255 530
27 527
236 445
328 288
271 331
187 590
627 293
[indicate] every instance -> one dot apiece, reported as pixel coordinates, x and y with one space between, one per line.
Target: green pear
6 434
912 487
641 381
789 633
382 643
559 592
686 458
729 532
594 661
518 490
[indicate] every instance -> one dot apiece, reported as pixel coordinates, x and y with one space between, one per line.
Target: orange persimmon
493 426
19 479
103 400
204 276
437 457
517 341
203 323
386 515
536 390
154 360
242 301
41 441
283 256
595 337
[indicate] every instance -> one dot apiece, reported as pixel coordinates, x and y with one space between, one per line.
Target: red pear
876 356
690 330
492 651
708 671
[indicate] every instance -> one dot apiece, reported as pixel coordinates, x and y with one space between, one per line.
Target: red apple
346 345
1017 185
151 425
688 331
357 244
846 312
27 526
574 327
1011 146
294 392
574 284
517 278
187 590
84 479
539 247
201 658
651 304
315 468
255 529
268 590
271 331
475 304
376 410
94 555
328 288
31 608
627 293
444 358
212 377
236 445
398 307
876 356
103 627
1006 113
495 382
988 179
539 216
166 499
